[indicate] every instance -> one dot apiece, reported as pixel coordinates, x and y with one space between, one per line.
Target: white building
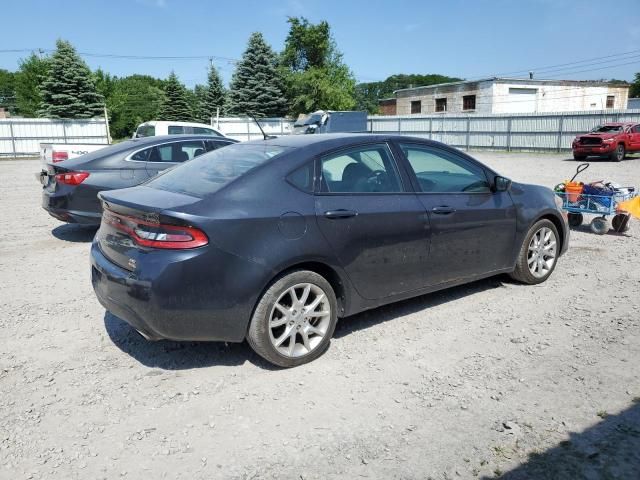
509 95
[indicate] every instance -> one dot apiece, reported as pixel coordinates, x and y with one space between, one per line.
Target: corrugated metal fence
21 137
541 131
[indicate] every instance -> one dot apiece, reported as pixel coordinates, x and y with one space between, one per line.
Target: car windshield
210 172
308 120
607 129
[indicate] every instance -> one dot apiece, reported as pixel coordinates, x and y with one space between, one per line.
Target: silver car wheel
299 320
542 255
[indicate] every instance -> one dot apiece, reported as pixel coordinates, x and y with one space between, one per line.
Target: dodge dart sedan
70 188
273 240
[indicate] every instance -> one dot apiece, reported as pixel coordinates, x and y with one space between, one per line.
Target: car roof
617 124
163 138
329 140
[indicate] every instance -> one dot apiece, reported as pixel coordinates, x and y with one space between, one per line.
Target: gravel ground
483 380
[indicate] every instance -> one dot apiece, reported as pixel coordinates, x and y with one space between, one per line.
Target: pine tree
176 105
68 90
256 85
215 96
199 106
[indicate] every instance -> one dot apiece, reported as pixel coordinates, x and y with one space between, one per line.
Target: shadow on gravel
609 449
389 312
74 233
169 355
585 228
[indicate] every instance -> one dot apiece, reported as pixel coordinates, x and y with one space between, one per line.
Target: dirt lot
483 380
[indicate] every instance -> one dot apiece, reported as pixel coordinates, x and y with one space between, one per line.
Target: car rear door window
215 144
364 169
175 130
302 178
142 155
439 171
176 152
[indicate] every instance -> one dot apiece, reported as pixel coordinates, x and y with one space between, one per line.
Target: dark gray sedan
70 188
273 240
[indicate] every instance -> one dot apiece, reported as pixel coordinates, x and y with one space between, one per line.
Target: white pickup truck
57 152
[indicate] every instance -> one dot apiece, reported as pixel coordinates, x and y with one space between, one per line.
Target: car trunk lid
137 221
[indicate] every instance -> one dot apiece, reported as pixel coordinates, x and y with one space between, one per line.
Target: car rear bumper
170 302
57 205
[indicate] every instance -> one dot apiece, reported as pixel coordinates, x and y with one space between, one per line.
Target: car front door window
443 172
473 228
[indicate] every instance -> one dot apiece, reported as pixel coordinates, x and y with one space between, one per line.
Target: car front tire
618 154
539 253
294 319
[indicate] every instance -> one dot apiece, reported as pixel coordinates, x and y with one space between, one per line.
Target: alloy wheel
541 255
299 320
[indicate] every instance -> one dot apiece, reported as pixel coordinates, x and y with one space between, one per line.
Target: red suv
612 140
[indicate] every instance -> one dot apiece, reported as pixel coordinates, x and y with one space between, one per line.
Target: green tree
368 94
256 86
634 91
105 83
134 99
176 104
215 94
68 90
199 104
8 91
29 77
316 75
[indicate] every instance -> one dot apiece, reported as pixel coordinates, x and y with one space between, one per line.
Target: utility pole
106 121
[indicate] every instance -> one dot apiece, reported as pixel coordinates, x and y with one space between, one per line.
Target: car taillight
72 178
59 156
156 235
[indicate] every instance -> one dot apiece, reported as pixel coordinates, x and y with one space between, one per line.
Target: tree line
308 74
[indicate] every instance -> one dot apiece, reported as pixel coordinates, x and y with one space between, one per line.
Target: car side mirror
501 184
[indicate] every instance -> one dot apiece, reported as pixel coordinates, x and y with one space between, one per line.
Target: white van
151 129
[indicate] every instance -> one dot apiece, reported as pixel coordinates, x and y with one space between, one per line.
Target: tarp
631 206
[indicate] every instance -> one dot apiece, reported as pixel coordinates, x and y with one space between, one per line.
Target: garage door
521 100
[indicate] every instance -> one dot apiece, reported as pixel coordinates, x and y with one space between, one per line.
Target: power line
548 67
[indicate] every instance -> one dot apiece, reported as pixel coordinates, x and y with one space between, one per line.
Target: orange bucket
573 191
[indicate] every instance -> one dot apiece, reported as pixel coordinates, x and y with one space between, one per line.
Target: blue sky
468 39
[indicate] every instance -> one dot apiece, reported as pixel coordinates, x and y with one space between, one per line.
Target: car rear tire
294 320
575 219
539 253
618 154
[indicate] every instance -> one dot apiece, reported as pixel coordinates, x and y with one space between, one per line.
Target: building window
469 102
441 104
416 106
611 101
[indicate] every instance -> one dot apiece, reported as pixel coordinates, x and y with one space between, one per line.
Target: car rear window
210 172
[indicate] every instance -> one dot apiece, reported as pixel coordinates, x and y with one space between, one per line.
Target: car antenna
266 137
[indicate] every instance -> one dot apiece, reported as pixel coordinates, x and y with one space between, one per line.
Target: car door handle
340 213
443 210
